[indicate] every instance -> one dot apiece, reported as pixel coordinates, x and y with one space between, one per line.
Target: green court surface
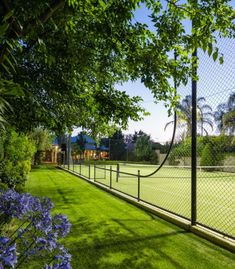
108 233
170 189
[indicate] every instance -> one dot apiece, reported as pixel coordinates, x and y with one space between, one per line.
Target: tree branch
178 6
48 13
17 31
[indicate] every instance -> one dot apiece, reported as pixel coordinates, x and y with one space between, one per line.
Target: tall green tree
117 146
81 144
225 115
229 116
43 140
144 149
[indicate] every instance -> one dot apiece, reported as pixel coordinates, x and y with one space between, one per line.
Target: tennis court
170 189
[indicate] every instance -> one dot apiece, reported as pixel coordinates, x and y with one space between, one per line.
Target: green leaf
9 63
210 48
8 15
204 47
102 4
3 29
6 68
221 59
215 55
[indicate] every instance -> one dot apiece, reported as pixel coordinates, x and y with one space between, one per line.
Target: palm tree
225 115
184 116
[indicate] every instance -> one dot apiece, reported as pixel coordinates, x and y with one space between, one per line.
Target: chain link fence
171 187
216 181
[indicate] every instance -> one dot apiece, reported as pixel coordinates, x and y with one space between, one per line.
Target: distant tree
213 154
43 140
104 141
80 144
117 146
225 115
162 147
136 135
184 117
144 148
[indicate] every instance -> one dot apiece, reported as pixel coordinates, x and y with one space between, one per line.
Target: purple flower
61 260
61 224
7 253
9 203
14 204
43 222
46 204
18 205
49 242
41 233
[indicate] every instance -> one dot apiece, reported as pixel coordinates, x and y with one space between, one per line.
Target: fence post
94 171
194 138
105 171
110 177
73 164
138 197
89 171
80 169
68 150
118 169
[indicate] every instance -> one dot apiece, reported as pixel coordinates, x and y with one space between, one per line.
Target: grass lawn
170 188
108 233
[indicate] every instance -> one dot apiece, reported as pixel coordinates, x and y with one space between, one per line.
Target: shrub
15 163
205 146
3 187
143 148
154 158
212 156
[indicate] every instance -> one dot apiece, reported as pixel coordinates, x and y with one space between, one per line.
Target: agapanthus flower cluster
61 225
14 204
61 260
8 256
41 231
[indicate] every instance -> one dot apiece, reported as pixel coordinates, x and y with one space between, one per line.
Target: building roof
90 143
104 148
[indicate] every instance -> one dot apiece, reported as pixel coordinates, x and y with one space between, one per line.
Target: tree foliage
208 147
117 146
225 115
213 153
67 56
144 148
184 116
43 141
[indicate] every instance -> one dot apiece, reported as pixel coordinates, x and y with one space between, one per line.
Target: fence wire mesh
216 184
171 187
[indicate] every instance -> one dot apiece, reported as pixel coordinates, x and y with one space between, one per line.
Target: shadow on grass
116 244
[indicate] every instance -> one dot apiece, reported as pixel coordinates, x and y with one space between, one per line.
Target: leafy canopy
67 57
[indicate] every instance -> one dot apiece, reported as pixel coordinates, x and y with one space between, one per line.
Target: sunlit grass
109 233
